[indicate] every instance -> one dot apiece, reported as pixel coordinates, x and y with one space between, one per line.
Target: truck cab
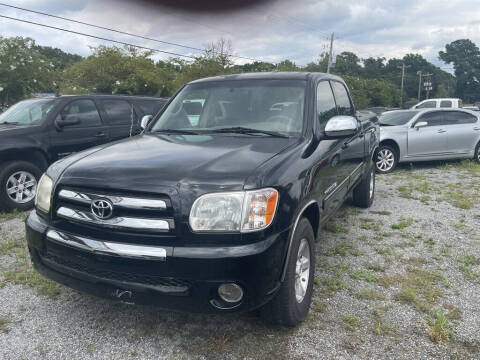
214 213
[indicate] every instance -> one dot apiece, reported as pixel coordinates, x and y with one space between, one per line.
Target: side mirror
60 123
341 126
145 120
420 124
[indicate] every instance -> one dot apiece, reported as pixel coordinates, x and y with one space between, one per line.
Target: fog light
230 293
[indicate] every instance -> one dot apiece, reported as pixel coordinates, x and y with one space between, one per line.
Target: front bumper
187 278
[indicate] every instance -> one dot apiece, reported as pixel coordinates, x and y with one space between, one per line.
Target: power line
96 37
117 31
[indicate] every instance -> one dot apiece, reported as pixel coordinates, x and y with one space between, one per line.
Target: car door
463 131
326 177
430 140
426 104
353 148
88 131
121 117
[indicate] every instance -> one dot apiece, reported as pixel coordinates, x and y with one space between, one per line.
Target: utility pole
428 84
419 73
330 56
403 77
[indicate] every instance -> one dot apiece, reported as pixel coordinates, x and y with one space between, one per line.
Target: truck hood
152 161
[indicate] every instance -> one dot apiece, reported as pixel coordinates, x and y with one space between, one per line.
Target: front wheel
476 156
364 192
386 159
18 185
291 304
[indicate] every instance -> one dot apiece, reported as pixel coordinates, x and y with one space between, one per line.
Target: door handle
100 134
441 131
476 128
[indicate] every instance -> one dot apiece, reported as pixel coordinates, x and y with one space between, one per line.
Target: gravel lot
399 280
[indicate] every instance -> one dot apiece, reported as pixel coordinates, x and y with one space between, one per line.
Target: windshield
28 112
263 105
396 118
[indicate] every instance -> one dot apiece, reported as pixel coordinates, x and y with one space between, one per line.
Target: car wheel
364 192
476 156
386 159
18 185
291 304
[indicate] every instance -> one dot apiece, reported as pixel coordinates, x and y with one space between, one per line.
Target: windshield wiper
243 130
176 131
384 124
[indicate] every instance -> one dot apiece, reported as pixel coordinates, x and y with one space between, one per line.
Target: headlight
241 211
44 193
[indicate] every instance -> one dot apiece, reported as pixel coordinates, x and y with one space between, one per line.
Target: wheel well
392 144
35 157
312 213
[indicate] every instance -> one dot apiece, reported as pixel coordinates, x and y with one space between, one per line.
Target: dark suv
36 132
216 206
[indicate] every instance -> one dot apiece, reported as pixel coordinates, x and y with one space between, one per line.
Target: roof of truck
268 76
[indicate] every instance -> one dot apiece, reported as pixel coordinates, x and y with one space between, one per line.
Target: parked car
438 103
471 107
378 109
216 215
420 135
34 133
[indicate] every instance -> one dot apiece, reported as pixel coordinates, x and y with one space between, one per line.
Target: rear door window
459 117
84 110
119 112
150 107
446 104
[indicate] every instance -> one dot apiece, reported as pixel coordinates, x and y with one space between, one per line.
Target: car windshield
27 112
265 107
396 118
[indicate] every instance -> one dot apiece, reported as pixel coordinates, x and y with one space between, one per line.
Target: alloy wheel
21 187
385 160
302 270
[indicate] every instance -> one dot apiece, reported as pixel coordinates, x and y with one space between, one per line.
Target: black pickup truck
36 132
216 212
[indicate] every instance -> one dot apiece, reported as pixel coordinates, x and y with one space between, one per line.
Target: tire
476 154
386 159
12 175
284 308
364 192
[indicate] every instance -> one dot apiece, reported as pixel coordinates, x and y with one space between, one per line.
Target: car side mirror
60 123
341 126
145 120
420 124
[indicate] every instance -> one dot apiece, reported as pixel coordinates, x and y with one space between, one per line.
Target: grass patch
336 228
370 224
363 275
381 326
380 212
375 267
10 245
350 322
460 200
319 306
440 328
331 285
467 262
343 249
402 224
383 251
28 276
406 191
369 294
3 324
12 215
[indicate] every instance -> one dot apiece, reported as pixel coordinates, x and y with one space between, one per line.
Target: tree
23 70
465 57
347 63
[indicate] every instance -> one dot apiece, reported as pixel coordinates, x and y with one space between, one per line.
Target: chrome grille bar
131 223
107 247
121 201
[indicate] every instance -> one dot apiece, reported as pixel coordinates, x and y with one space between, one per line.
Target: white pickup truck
439 103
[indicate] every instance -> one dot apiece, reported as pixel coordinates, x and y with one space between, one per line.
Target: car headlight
44 193
241 211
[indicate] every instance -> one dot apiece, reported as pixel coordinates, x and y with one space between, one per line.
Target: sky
272 31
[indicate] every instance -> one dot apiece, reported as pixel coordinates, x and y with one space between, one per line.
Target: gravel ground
399 280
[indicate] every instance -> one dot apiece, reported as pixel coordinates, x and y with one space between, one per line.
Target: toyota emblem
102 209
